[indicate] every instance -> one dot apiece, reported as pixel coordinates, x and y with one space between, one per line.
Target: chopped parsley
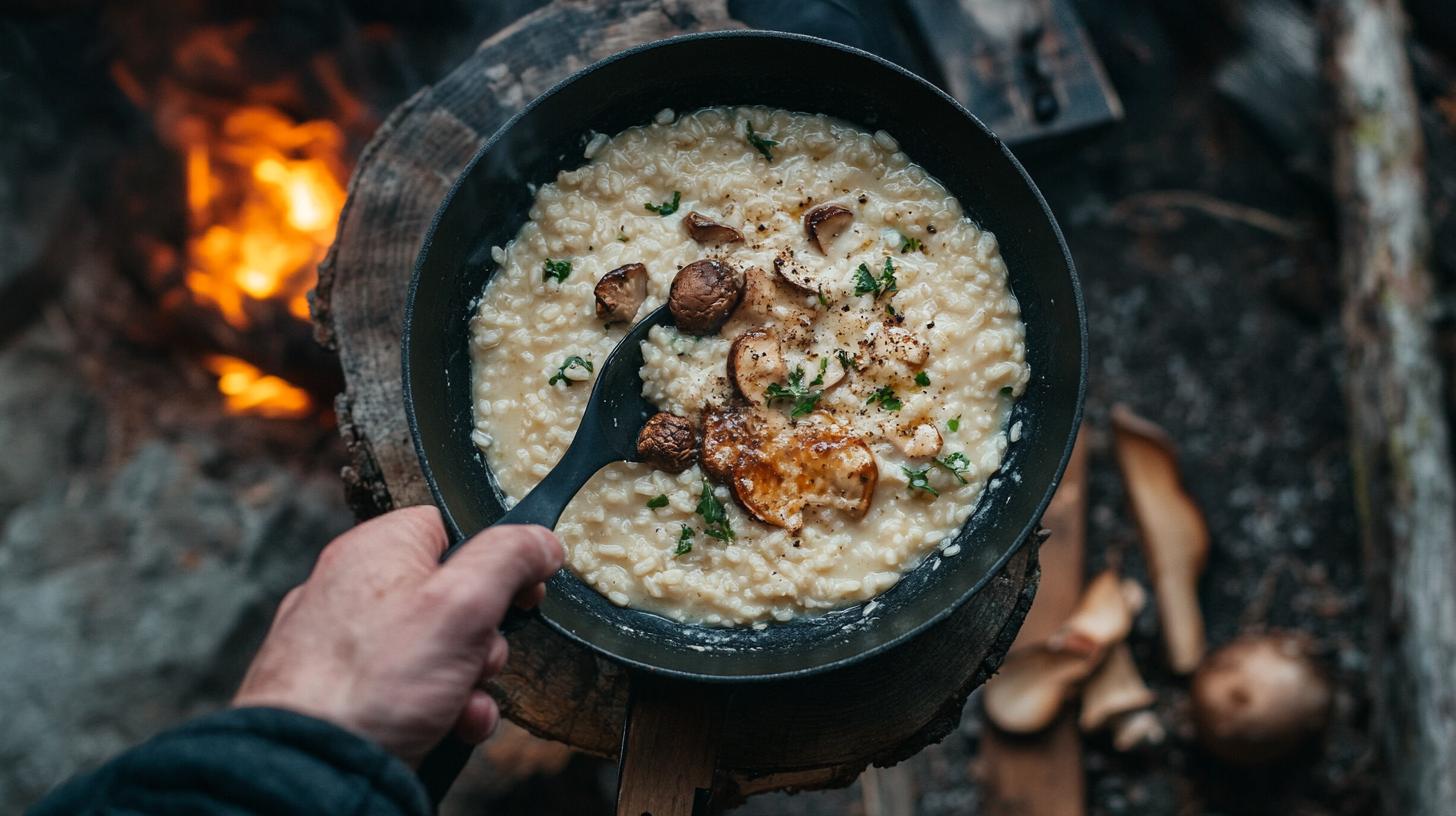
908 244
823 301
760 143
885 396
571 362
847 360
556 269
666 207
684 541
865 282
954 424
890 309
803 397
715 516
660 500
956 464
920 480
922 379
823 367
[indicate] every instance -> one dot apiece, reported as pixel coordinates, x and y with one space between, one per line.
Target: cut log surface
1399 439
812 733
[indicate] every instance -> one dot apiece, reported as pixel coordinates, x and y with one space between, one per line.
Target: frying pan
489 203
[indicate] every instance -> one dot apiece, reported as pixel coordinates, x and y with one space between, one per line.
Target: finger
289 601
411 531
479 718
477 585
496 655
531 596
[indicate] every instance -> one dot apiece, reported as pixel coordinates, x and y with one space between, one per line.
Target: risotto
835 389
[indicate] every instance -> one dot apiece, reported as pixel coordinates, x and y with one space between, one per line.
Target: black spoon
615 413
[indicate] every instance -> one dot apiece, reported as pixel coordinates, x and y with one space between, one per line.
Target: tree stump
818 732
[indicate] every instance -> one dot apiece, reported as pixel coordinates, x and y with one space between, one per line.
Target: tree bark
1399 440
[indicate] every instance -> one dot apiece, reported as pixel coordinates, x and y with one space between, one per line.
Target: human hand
386 642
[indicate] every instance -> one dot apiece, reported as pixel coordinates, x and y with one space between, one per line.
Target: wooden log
803 734
1400 445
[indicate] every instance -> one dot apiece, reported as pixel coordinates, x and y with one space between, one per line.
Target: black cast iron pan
489 203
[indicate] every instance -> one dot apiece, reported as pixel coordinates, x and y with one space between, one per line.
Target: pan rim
1028 528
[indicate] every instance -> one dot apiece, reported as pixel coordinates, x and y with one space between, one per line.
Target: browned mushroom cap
705 230
778 470
703 295
755 360
1260 698
668 442
825 222
620 293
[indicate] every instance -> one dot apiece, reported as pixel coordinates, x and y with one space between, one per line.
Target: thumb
489 570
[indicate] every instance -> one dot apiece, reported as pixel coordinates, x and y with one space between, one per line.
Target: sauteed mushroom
620 293
668 442
825 222
755 360
705 230
703 295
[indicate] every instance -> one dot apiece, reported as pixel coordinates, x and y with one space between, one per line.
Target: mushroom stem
1174 534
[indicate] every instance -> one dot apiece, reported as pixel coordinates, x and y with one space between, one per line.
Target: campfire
263 168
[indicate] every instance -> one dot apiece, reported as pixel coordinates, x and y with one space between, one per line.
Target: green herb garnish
954 424
920 480
908 244
760 143
715 516
847 360
556 269
803 398
660 500
866 283
922 379
666 207
890 309
885 396
684 541
956 464
823 301
571 362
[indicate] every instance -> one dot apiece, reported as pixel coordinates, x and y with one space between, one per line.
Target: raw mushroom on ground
1173 532
1260 698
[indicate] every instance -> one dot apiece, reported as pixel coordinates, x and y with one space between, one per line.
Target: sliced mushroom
896 344
703 296
620 293
1102 617
797 275
668 442
766 298
1115 688
705 230
778 470
1173 532
823 223
812 468
1033 684
755 361
919 441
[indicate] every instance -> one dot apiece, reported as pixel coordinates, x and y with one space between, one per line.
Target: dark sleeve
243 762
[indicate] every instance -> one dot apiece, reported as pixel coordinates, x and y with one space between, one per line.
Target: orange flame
265 195
249 390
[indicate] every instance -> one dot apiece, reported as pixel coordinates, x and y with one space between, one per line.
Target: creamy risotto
835 390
